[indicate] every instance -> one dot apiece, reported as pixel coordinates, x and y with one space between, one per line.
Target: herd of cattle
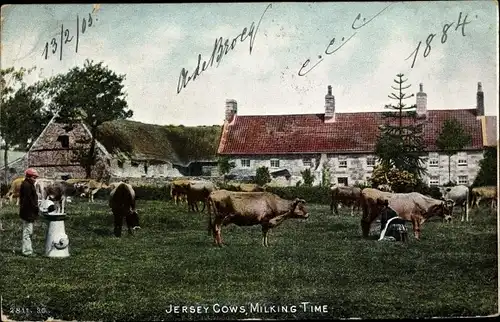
250 204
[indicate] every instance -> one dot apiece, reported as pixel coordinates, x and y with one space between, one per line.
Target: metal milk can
56 240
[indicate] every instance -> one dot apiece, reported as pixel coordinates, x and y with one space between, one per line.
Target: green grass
452 271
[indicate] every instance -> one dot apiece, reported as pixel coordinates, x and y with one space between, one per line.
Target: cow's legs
118 221
217 231
416 227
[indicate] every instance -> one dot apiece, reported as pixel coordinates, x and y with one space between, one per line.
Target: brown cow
122 204
178 190
413 207
198 191
89 188
349 196
251 208
56 190
484 193
15 188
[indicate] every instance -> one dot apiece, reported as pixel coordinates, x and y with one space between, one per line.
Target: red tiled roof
350 133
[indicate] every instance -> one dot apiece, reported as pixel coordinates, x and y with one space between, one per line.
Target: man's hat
31 173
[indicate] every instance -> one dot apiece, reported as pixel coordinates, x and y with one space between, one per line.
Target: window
64 139
342 181
462 161
275 163
245 163
307 162
370 161
434 163
342 163
463 180
434 181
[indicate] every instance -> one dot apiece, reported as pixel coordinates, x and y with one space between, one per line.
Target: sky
359 48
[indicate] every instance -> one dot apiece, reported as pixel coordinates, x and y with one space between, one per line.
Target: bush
142 193
262 176
317 194
308 177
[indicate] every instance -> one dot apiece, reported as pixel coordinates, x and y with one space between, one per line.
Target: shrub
262 176
317 194
308 177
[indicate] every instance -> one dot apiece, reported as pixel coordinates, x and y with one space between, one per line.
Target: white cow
457 196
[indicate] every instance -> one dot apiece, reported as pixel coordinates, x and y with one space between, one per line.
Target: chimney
329 106
421 101
231 109
480 100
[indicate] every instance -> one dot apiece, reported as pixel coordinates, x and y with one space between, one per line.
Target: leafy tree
308 177
92 95
225 165
399 180
487 175
262 176
451 139
22 117
400 143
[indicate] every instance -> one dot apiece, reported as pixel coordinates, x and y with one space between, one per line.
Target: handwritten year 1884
65 37
444 37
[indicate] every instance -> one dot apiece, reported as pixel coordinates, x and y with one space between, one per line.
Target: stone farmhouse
125 149
343 143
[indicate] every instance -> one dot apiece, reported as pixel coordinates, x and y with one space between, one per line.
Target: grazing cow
345 195
15 188
178 190
251 208
198 191
56 190
412 206
122 204
457 196
89 188
246 187
484 193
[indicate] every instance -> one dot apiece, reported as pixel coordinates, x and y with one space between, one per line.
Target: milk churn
56 240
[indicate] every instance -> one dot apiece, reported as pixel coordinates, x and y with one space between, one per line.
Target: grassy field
323 260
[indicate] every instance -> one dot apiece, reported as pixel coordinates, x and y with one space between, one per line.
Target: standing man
28 210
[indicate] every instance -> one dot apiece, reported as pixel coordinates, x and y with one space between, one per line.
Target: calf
251 208
349 196
122 204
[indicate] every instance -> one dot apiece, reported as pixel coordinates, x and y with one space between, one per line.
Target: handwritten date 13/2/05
65 37
444 37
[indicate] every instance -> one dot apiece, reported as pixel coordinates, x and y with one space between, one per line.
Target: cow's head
298 209
442 210
133 220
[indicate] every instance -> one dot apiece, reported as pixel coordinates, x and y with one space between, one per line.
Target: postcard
249 161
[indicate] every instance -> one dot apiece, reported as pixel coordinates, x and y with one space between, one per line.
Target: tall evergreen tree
400 143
